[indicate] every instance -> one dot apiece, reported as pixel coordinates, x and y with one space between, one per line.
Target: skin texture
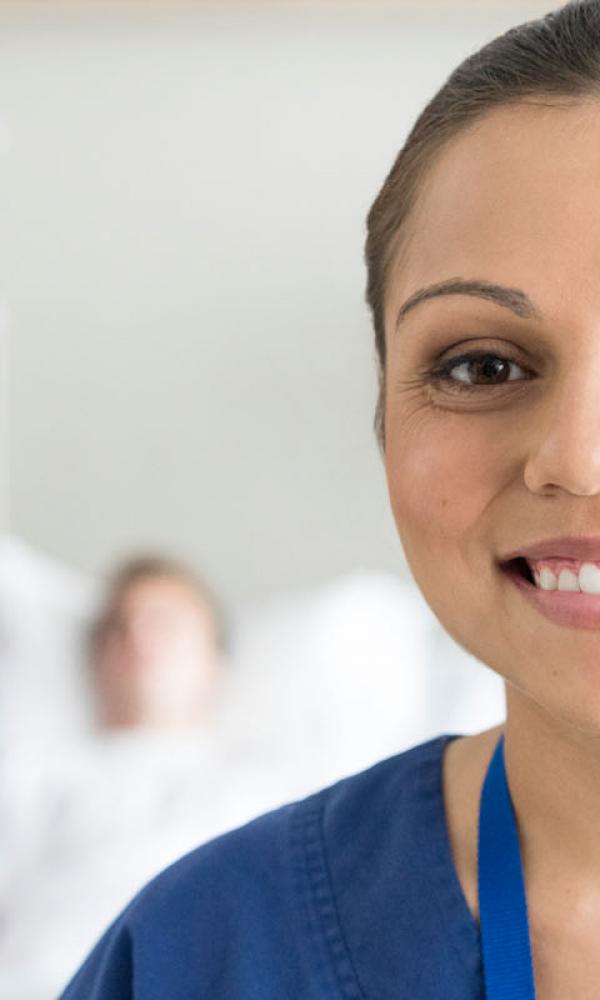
514 200
158 661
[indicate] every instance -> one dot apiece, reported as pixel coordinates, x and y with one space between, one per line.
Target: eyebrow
510 298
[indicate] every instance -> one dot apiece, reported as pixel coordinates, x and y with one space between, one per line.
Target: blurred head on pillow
156 647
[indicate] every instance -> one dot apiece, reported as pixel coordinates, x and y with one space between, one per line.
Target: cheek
442 469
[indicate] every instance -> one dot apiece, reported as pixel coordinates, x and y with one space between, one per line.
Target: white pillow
338 676
45 607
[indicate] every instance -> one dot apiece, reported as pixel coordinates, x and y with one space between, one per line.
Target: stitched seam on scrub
324 901
318 963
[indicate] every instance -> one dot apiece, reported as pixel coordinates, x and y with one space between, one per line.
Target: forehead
513 199
158 590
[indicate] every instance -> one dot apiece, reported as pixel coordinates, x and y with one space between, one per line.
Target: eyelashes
490 365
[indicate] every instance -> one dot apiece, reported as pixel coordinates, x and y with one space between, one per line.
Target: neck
553 773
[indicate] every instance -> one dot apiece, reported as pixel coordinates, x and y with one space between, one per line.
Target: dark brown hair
556 56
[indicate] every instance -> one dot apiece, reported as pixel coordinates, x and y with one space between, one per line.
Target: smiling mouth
566 608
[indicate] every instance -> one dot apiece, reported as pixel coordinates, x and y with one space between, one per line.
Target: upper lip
563 547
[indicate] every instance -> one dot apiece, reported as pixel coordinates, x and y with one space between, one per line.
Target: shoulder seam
323 899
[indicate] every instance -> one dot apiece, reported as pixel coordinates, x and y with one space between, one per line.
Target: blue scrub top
348 894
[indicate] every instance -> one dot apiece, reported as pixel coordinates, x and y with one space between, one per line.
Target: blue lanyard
504 928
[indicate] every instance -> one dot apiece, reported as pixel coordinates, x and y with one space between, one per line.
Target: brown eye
485 368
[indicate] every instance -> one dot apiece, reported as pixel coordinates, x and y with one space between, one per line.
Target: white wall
183 197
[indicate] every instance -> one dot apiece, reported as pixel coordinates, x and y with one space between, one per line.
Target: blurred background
204 606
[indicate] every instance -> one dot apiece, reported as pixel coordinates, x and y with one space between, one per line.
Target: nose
137 630
565 453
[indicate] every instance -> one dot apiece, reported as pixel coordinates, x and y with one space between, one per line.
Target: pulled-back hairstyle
556 56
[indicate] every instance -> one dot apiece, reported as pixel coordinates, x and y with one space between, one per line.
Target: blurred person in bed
161 768
157 647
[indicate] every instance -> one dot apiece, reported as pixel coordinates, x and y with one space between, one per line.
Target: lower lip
568 608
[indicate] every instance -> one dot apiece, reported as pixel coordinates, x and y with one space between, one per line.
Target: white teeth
547 579
589 578
568 580
587 581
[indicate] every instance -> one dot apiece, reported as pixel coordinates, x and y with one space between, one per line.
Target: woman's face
472 475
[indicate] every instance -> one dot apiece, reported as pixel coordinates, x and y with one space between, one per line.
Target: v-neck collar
389 900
